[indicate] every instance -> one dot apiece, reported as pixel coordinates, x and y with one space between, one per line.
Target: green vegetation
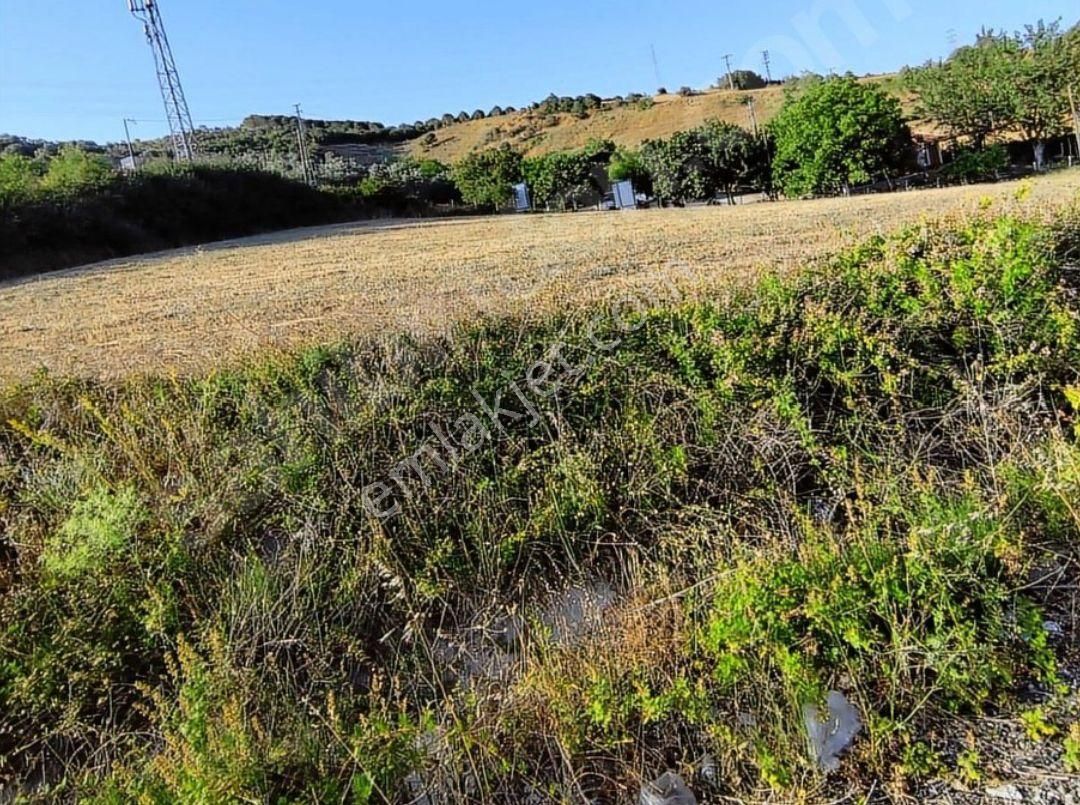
1004 83
74 207
486 178
560 180
835 133
838 481
703 163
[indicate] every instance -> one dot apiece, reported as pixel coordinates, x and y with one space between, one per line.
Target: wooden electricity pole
753 115
730 77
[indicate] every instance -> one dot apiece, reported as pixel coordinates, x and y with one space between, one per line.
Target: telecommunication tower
181 130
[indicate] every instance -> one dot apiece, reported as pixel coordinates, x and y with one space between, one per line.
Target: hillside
631 124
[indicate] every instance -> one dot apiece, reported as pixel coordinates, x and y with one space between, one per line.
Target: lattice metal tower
181 129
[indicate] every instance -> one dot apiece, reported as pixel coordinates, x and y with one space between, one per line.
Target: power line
768 65
181 130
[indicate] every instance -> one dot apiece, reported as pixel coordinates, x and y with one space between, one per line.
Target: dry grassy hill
630 125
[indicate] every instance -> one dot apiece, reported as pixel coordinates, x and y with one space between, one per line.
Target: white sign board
625 198
521 198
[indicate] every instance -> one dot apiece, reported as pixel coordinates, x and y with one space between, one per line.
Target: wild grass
850 478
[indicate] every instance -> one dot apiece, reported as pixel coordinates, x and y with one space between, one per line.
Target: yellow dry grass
627 125
195 308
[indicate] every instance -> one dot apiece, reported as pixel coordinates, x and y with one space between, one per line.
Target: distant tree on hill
487 178
741 80
836 133
478 115
496 111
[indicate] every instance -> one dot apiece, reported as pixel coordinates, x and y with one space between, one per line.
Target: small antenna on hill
181 130
656 66
730 77
767 61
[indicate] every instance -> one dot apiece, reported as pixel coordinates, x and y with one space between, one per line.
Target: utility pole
127 136
177 113
730 77
1076 119
301 137
656 66
753 114
768 65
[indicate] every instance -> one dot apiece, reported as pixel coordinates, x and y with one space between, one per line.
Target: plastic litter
668 789
832 734
707 770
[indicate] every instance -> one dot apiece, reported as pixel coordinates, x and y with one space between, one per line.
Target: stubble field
191 309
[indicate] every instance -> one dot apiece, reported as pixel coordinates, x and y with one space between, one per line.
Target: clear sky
72 69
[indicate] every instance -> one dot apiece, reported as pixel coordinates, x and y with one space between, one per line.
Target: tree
675 166
1041 65
835 133
969 94
560 179
19 179
75 171
742 80
699 164
627 164
487 178
734 157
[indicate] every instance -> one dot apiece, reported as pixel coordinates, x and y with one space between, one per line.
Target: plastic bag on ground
832 734
667 789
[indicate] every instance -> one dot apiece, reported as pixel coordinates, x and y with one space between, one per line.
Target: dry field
190 309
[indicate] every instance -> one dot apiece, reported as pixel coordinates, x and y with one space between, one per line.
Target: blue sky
72 69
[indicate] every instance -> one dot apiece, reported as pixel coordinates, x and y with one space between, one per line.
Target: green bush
101 528
971 165
840 480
